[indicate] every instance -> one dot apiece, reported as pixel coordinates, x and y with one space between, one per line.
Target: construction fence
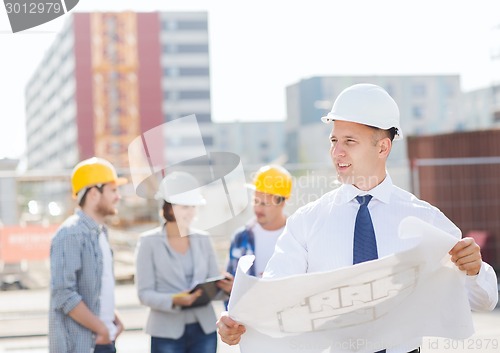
33 206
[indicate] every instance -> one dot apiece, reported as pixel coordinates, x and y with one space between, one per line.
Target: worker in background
272 187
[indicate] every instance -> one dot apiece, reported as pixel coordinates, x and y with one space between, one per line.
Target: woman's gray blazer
159 275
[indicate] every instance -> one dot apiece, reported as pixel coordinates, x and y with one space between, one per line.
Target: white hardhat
180 188
366 104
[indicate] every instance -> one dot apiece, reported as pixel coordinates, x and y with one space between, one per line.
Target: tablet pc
210 290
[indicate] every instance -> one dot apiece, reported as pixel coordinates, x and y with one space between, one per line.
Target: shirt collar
381 192
89 221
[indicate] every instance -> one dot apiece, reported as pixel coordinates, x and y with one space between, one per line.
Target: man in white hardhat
359 221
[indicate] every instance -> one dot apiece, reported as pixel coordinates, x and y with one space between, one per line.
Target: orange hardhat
91 172
274 180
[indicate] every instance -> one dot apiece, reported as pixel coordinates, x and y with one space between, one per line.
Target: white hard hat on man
366 104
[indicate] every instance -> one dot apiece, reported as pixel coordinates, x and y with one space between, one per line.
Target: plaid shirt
243 243
76 270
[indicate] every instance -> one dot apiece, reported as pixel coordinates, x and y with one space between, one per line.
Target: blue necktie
365 244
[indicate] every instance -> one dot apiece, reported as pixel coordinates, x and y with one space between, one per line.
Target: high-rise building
108 77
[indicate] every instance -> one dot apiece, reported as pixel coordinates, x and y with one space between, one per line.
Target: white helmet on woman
180 188
366 104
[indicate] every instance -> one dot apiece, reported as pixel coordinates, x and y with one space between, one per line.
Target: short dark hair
280 199
84 197
168 212
392 132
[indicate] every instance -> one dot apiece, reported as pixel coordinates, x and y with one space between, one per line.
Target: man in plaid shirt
82 315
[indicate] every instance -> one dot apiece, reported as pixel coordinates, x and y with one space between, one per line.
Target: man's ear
385 146
92 193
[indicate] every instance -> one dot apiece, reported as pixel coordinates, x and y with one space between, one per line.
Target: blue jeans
105 348
194 340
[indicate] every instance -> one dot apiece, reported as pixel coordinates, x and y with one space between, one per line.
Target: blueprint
378 304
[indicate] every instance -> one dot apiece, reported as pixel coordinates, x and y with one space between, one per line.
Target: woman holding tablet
171 260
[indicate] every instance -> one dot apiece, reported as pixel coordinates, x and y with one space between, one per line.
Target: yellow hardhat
274 180
93 171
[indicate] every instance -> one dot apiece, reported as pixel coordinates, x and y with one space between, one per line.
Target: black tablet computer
210 290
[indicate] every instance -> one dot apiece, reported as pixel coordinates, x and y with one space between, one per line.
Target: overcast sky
258 47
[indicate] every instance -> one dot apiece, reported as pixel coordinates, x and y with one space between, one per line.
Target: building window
460 126
170 25
418 90
194 71
186 71
185 48
418 112
496 116
176 25
171 71
170 95
169 48
194 95
192 48
192 25
200 117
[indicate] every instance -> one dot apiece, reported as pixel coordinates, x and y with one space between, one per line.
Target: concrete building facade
482 108
257 143
428 104
8 190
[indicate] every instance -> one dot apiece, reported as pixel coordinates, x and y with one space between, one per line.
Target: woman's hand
186 298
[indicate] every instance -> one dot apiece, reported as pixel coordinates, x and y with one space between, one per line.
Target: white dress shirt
319 237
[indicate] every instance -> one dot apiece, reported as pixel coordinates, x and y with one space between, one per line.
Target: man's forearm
86 318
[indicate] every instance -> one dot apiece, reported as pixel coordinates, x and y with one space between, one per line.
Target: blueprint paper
362 308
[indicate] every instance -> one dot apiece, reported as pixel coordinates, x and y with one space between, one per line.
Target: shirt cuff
479 279
482 289
71 303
